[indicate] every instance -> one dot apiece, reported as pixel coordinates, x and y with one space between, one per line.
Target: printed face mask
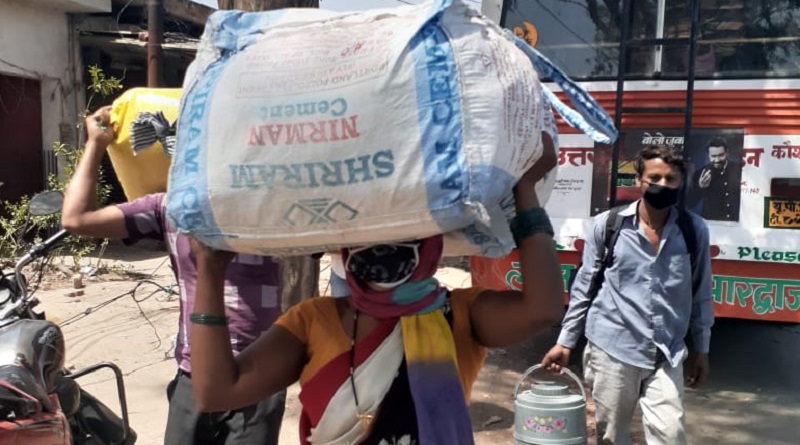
386 265
660 197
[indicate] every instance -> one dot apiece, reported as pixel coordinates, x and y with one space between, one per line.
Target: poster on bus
714 179
571 197
714 169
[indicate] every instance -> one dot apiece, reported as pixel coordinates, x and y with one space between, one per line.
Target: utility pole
155 37
299 275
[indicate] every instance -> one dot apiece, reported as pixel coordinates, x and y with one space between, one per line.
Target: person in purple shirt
251 297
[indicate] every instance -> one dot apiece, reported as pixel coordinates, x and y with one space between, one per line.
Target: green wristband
529 223
208 319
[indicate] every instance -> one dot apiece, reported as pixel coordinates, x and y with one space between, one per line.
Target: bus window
582 36
737 38
785 187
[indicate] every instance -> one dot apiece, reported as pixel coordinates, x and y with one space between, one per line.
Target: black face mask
386 264
660 197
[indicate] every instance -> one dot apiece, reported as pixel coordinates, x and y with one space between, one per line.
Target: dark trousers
253 425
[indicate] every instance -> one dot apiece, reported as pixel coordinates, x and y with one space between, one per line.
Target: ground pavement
753 396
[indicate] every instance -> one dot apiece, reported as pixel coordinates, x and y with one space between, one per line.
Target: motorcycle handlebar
41 249
36 251
10 308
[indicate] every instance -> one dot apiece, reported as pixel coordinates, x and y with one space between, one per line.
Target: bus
717 79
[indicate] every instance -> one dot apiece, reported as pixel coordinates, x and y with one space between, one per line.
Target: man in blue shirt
637 322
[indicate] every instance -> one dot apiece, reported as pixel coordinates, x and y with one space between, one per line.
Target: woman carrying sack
395 361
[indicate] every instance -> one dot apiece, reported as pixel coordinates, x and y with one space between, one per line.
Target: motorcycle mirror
45 203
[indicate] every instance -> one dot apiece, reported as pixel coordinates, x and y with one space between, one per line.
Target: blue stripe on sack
438 7
236 30
440 121
495 240
188 205
590 118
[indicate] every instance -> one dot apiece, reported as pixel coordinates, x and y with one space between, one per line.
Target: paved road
753 396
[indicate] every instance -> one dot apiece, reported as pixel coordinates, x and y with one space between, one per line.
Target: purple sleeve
144 218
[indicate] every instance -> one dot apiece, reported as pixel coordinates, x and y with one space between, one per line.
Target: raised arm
221 382
502 318
79 214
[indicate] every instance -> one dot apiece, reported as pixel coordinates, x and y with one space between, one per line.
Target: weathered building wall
36 43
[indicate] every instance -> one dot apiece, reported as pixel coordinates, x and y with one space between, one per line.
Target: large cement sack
307 130
144 172
468 241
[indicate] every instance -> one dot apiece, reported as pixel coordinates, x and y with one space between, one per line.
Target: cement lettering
336 173
443 92
304 132
336 107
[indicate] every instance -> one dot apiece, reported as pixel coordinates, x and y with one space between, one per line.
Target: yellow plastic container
146 172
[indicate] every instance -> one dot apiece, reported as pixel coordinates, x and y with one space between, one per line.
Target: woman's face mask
384 266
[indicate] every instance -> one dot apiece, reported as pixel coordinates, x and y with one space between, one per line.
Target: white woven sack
303 130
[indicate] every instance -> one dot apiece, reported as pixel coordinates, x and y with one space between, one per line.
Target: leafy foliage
102 85
18 230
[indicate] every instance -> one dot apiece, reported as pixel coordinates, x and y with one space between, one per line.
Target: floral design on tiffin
545 425
405 440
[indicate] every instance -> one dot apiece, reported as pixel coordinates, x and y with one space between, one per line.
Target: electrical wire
169 290
558 19
119 14
132 293
35 74
43 263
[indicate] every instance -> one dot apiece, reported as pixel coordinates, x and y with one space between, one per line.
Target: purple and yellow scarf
441 408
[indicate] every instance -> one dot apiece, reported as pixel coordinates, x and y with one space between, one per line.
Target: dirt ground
753 396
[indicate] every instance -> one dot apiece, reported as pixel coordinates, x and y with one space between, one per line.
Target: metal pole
155 37
659 50
694 12
693 35
622 68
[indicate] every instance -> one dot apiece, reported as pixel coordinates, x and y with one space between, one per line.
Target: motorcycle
40 402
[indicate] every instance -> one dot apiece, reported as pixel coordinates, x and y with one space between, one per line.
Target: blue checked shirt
645 303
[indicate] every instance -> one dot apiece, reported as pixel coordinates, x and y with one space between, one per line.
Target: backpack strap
606 256
686 225
613 226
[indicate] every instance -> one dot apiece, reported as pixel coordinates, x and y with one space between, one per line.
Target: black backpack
606 258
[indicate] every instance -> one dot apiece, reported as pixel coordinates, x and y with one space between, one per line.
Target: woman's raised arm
502 318
221 382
